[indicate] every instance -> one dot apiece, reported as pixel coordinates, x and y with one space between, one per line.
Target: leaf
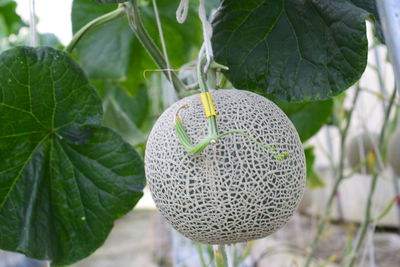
104 53
183 41
44 39
64 178
370 6
112 51
313 179
126 114
110 1
10 21
307 117
49 39
295 50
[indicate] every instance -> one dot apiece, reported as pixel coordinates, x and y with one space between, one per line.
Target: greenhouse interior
200 133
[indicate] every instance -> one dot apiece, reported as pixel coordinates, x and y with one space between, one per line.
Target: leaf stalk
106 18
137 26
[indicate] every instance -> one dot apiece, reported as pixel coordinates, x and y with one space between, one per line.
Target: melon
394 152
234 190
361 148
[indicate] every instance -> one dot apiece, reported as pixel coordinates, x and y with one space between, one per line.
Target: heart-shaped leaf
64 178
295 50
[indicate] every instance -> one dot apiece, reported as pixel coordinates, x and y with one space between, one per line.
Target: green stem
201 76
339 179
221 259
147 42
212 121
213 128
223 81
201 256
117 13
357 168
386 210
368 218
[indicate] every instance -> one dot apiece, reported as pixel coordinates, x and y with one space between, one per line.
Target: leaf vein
21 171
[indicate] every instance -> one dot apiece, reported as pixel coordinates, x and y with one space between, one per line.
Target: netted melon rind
233 191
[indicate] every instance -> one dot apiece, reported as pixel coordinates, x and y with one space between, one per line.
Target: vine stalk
136 24
368 217
340 173
221 258
201 76
172 91
108 17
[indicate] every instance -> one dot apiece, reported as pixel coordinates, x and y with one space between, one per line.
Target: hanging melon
234 190
360 151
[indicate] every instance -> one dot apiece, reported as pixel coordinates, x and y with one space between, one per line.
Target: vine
339 179
368 217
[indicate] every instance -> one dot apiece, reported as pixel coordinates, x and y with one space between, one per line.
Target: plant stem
170 91
220 256
201 256
331 152
201 76
117 13
368 218
328 208
143 36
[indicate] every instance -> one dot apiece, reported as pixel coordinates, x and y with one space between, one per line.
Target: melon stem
201 75
213 135
106 18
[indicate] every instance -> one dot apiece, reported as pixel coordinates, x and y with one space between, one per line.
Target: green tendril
272 149
214 137
185 141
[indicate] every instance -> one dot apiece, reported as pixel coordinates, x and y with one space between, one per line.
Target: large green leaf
370 6
294 49
112 51
307 117
64 178
10 21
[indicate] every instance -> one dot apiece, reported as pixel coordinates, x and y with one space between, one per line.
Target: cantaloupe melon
234 190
